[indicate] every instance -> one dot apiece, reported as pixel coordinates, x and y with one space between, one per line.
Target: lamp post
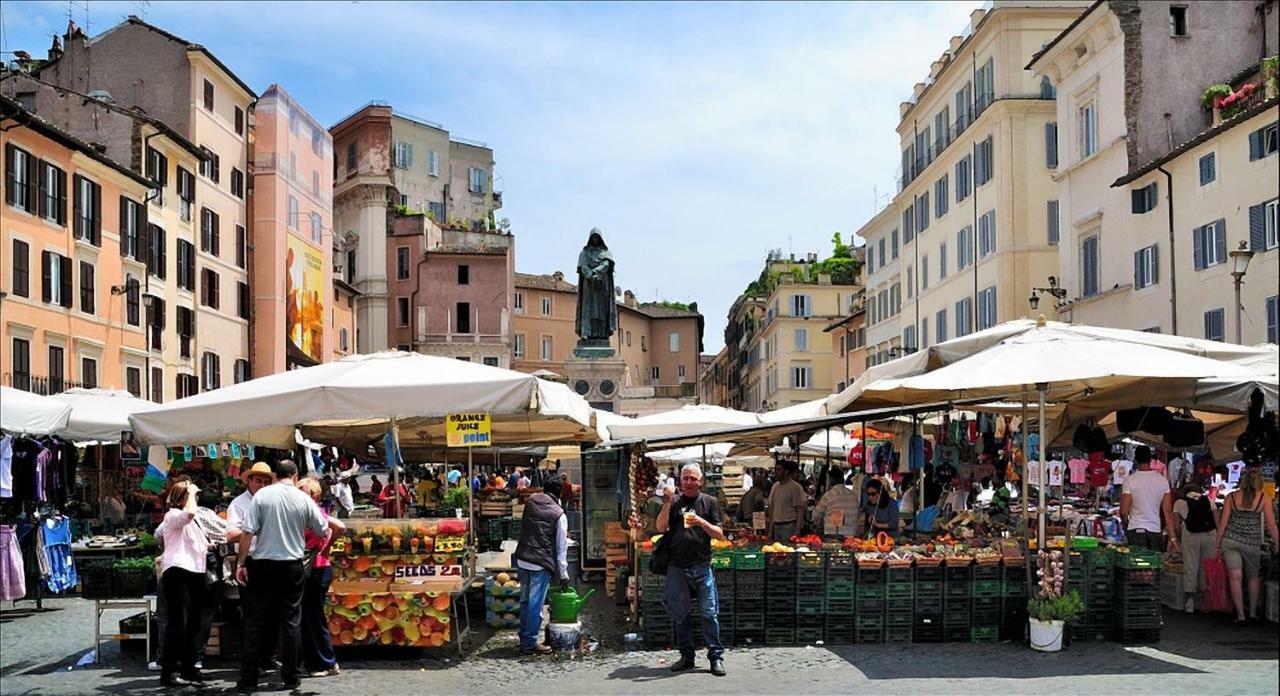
1239 266
1053 290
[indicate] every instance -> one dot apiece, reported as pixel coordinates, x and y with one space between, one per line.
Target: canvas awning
26 413
99 415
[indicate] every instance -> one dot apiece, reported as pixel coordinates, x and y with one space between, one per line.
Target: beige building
449 178
848 345
969 234
1156 191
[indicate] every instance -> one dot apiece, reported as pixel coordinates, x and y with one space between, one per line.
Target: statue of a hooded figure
597 317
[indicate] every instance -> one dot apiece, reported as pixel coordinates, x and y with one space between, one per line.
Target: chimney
813 257
955 44
629 299
557 276
918 90
55 51
975 18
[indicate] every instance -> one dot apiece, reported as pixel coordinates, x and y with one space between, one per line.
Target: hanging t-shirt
1234 469
1099 470
1033 446
1055 473
944 473
1033 472
1159 467
1077 468
6 467
1176 469
1120 469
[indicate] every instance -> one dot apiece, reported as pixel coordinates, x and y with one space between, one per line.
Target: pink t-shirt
1077 467
318 541
1159 467
185 543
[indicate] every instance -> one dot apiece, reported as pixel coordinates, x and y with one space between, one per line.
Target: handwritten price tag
450 544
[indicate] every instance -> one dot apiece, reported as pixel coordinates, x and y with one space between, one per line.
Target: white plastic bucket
563 637
1046 636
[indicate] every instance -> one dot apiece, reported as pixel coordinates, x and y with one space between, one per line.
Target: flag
157 469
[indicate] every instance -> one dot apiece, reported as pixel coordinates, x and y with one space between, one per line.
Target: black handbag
661 557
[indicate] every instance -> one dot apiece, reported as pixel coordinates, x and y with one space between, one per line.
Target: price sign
757 521
338 546
468 430
450 544
426 571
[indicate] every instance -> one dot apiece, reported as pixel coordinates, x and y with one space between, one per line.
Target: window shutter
33 187
124 224
1051 145
1052 210
1197 246
1220 239
96 191
1155 265
1137 269
1136 199
1255 145
1257 226
46 276
43 185
9 174
62 197
65 280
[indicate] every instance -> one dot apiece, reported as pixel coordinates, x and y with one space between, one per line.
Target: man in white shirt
747 481
346 501
1146 500
255 478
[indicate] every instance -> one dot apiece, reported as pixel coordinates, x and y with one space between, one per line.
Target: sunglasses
873 493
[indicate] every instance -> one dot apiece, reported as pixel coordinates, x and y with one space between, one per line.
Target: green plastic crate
721 560
748 560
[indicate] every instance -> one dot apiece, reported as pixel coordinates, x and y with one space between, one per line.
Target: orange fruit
441 602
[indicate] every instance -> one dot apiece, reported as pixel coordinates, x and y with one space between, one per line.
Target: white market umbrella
804 411
99 415
686 420
26 413
693 454
834 442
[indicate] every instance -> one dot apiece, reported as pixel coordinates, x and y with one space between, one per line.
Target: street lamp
1239 266
1053 291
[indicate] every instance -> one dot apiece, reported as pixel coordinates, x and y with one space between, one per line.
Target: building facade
848 345
1157 189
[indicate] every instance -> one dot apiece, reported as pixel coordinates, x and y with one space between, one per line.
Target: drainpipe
1173 273
973 194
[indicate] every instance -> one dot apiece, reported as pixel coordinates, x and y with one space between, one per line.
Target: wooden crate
490 509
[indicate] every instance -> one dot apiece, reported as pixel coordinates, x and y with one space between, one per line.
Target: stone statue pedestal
593 349
597 376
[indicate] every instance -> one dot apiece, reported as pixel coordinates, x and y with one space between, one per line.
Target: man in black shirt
690 521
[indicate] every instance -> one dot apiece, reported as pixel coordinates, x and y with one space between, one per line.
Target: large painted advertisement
304 303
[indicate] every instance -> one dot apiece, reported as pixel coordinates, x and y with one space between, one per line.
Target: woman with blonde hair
318 659
1240 538
183 581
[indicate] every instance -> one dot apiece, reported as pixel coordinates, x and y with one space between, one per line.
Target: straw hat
258 468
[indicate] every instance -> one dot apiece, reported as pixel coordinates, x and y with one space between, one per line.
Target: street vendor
837 512
880 511
787 502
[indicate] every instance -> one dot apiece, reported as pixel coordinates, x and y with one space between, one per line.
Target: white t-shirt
238 514
1120 469
1147 488
342 491
1234 469
747 482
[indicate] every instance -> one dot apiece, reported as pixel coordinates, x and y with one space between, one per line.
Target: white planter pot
1046 636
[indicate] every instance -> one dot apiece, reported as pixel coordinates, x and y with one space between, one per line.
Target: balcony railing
39 384
942 141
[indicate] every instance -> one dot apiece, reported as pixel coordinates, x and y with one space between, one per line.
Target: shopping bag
925 519
1216 596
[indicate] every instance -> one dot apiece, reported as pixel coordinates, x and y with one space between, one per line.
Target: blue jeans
533 594
684 585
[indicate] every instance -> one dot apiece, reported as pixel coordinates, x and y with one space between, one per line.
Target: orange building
67 318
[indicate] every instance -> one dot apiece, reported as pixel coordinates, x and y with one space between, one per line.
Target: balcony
933 150
44 385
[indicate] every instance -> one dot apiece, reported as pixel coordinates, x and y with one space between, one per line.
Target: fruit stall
400 582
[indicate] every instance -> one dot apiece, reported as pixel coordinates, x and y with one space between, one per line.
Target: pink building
293 241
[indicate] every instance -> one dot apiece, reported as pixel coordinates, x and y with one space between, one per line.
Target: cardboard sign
467 430
758 520
426 571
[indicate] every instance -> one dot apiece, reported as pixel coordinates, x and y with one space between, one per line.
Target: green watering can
566 604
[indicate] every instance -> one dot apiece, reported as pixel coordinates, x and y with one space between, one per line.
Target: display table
101 605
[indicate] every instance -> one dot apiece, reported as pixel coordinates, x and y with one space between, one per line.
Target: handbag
1216 598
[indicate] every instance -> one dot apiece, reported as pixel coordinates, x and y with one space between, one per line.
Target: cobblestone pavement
50 653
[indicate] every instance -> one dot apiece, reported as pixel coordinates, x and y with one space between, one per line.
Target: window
680 374
53 202
293 212
477 180
132 221
88 211
908 226
924 272
209 291
922 212
963 171
1047 90
344 339
462 311
1264 227
987 308
654 374
518 346
242 247
490 361
941 127
237 182
941 200
133 381
893 239
464 274
157 384
88 373
433 163
1273 319
239 121
964 317
210 371
986 234
801 339
402 311
158 172
673 341
1178 20
187 385
909 344
800 306
317 227
402 263
186 193
644 343
20 188
186 265
801 376
517 302
211 166
1208 169
985 84
55 279
895 299
1213 325
1051 145
1264 142
546 348
964 248
628 339
435 210
546 306
1209 244
1143 200
403 154
155 319
240 371
1088 129
984 162
924 333
209 232
22 364
883 256
351 157
315 183
132 301
156 251
1052 222
871 258
1145 270
1089 266
942 261
20 284
208 95
57 369
242 300
186 330
87 287
964 107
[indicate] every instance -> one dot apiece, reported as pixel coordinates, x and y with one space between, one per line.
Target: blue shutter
1255 145
1197 246
1155 265
1257 226
1220 240
1136 199
1051 145
1137 269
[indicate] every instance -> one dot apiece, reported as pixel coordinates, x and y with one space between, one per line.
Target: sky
696 137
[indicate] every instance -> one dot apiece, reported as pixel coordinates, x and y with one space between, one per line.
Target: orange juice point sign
468 430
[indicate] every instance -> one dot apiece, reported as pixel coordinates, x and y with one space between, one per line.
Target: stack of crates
749 598
842 576
780 608
957 609
899 603
1137 597
985 617
811 582
1013 609
870 605
928 604
1092 569
726 595
657 630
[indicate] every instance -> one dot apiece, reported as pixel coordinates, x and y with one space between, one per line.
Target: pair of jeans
272 601
1147 540
317 643
533 594
184 595
685 586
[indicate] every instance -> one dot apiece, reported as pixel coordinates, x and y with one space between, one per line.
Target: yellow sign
467 430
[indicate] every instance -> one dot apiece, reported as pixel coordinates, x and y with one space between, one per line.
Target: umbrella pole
471 513
1026 506
395 468
1040 512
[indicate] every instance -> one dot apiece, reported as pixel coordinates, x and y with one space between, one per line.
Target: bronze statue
597 317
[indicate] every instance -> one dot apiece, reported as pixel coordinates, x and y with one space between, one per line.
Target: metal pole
1026 461
1239 335
1043 478
395 467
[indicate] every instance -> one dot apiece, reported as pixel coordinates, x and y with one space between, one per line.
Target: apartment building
883 298
848 345
1158 189
71 306
195 94
659 343
293 240
387 160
